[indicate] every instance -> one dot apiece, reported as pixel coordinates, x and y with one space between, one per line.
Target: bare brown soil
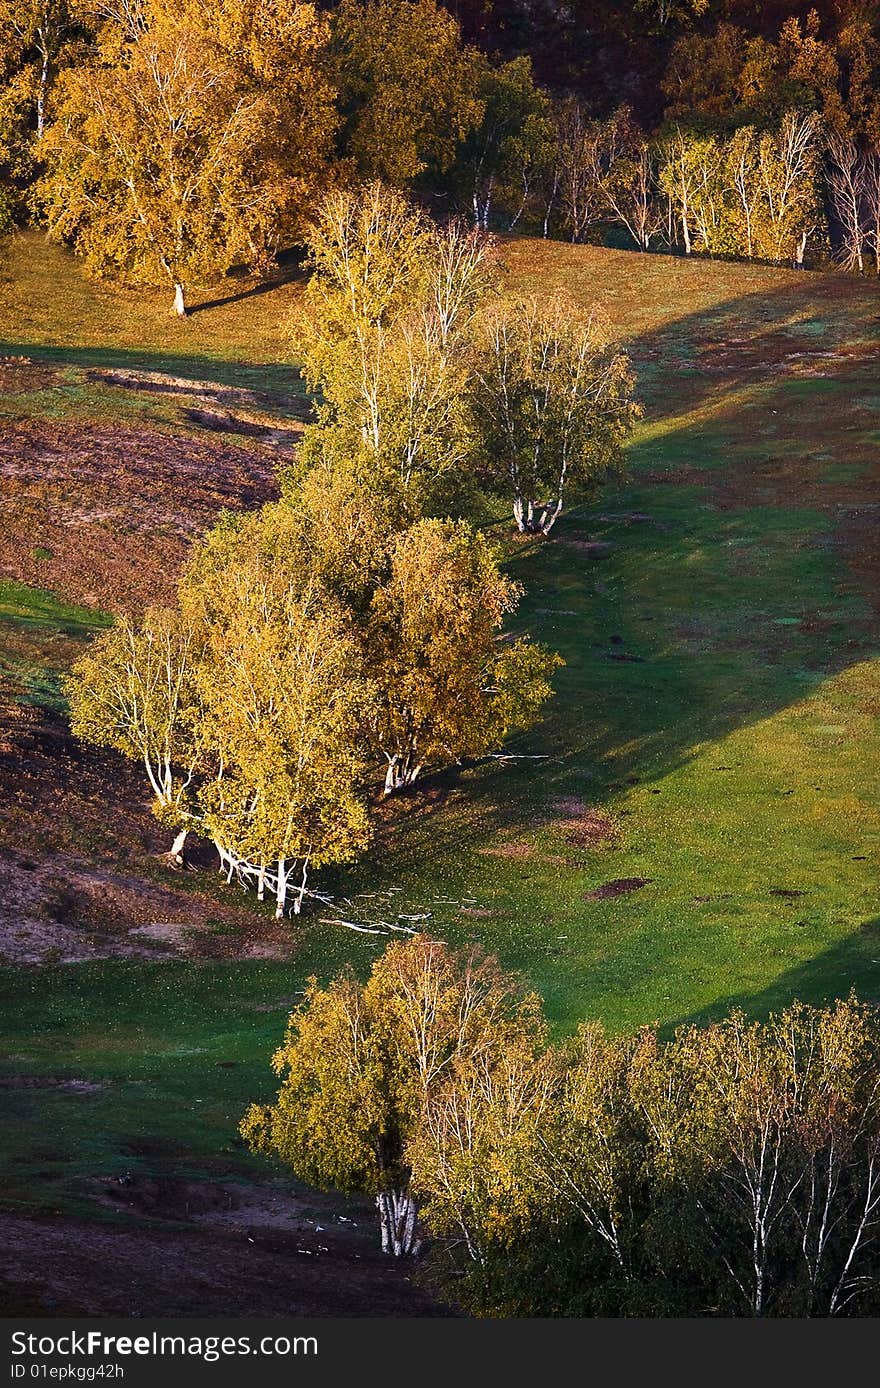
179 1248
621 886
582 825
79 881
114 506
19 376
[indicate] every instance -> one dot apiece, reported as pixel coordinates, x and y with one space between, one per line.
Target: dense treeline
169 142
732 1170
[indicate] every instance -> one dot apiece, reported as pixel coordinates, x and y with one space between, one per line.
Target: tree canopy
172 154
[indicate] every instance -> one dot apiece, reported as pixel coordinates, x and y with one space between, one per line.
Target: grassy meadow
693 826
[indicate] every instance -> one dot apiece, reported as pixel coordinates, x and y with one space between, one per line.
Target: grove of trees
350 635
263 705
733 1169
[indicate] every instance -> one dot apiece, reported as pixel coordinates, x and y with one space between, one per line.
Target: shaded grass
40 635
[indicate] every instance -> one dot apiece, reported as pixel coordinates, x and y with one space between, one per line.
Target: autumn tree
135 690
386 339
245 704
788 171
281 705
360 1064
407 88
848 175
756 194
581 167
473 1164
446 687
693 177
552 401
872 203
497 163
734 1167
171 155
769 1136
731 77
743 172
37 39
629 185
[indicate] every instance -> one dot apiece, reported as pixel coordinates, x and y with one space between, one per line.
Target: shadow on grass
728 598
291 271
819 980
278 383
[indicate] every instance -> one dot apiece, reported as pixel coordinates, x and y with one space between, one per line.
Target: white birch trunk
398 1219
179 301
281 890
175 853
301 890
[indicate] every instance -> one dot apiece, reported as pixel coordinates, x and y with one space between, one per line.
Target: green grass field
716 717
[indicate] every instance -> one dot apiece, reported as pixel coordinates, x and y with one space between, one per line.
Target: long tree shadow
828 976
291 271
276 384
734 581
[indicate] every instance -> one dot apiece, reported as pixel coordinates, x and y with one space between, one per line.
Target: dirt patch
162 383
20 376
65 911
583 826
206 1265
79 882
114 507
590 830
516 848
620 886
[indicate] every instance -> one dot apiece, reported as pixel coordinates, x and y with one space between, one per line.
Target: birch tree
630 189
386 337
581 169
135 690
847 174
743 175
38 38
693 176
164 162
496 161
246 705
281 705
33 37
788 173
446 687
772 1134
552 401
473 1159
677 179
359 1065
872 203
